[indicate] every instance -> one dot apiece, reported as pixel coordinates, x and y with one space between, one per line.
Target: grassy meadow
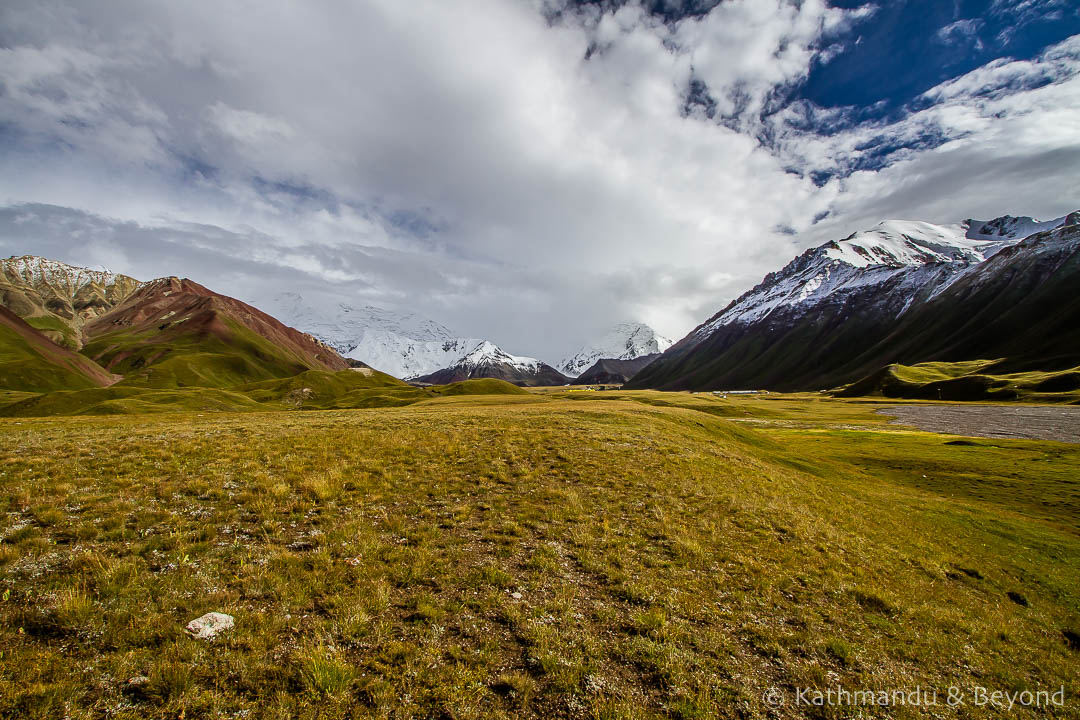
551 554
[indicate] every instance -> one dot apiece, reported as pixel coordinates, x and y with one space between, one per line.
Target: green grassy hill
30 362
484 386
190 360
973 380
310 390
174 333
121 400
320 390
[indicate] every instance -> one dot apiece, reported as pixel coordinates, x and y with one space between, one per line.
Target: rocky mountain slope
605 370
487 360
1021 306
405 345
820 320
59 299
625 341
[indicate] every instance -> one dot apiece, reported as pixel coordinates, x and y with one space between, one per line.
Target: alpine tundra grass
606 555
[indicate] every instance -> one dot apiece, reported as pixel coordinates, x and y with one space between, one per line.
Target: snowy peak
625 341
1007 226
39 271
485 359
911 254
488 353
899 243
344 324
403 344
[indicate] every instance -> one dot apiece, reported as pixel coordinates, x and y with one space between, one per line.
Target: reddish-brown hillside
193 335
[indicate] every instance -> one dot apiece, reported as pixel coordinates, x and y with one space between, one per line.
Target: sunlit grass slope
973 380
555 558
149 358
30 362
310 390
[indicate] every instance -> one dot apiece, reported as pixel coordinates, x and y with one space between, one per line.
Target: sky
528 171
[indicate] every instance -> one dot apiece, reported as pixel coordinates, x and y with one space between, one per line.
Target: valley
540 360
543 553
860 475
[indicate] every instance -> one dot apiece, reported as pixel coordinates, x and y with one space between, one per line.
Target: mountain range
75 341
412 347
163 333
904 293
94 328
901 292
403 344
488 360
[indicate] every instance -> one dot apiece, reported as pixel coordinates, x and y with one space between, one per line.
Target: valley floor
1044 422
578 555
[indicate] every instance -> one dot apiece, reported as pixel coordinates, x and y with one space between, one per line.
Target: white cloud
248 127
466 161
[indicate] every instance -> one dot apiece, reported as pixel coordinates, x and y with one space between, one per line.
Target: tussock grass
636 555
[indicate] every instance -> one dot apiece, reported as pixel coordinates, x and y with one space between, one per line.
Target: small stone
515 595
135 687
209 625
301 546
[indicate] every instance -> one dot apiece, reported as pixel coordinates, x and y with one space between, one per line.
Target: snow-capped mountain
39 271
1007 226
920 252
609 371
799 325
488 360
58 297
405 345
625 341
488 352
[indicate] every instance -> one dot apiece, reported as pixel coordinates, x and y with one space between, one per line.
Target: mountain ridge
488 360
176 331
58 299
832 303
609 370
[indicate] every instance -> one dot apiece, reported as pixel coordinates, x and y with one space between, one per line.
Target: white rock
209 625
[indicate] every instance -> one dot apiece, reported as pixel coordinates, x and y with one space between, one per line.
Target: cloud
962 32
529 172
989 141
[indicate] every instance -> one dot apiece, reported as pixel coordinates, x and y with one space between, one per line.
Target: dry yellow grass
527 557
